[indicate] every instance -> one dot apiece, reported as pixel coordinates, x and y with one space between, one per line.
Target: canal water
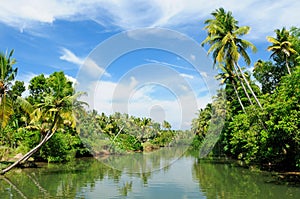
145 176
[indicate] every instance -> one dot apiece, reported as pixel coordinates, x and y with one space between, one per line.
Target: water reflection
188 177
220 179
144 162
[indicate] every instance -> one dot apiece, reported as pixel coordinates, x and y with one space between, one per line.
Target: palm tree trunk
248 85
246 92
28 154
243 86
287 64
35 149
238 96
37 184
116 136
15 187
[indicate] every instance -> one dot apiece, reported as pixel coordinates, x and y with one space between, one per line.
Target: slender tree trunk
15 187
35 149
116 136
248 85
29 154
287 64
243 86
245 90
37 184
238 96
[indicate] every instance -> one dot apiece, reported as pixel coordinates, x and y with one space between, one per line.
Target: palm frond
6 110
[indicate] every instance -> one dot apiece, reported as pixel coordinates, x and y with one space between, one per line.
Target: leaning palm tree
52 113
7 75
281 46
226 45
47 117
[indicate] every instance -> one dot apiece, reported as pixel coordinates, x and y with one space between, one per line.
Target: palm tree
166 125
281 46
7 75
226 45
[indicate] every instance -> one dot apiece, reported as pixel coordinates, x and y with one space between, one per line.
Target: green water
161 175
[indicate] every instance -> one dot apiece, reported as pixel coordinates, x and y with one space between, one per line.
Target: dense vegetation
119 133
51 124
262 121
30 119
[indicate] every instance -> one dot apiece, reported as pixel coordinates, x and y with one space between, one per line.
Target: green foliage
164 138
270 137
129 143
283 124
27 140
282 47
196 142
7 75
61 147
245 140
37 87
268 134
201 124
268 75
119 133
17 89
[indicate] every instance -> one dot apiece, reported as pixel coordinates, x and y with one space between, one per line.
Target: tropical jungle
260 106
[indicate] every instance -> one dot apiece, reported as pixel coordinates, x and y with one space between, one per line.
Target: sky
139 57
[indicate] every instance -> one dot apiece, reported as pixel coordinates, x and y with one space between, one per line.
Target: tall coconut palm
226 45
7 75
281 46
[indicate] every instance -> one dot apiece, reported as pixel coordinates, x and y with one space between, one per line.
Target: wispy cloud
186 76
93 69
168 64
69 56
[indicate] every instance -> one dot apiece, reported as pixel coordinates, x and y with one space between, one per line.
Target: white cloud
91 70
262 16
187 76
193 57
69 56
22 13
204 74
168 64
131 98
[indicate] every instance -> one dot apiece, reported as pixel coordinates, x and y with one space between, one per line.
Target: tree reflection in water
222 179
64 180
143 176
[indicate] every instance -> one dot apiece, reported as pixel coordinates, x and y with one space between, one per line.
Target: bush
128 143
61 147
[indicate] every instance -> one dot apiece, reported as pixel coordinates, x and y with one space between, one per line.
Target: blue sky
53 35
